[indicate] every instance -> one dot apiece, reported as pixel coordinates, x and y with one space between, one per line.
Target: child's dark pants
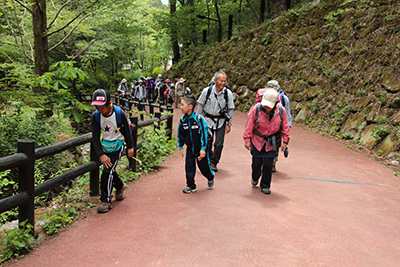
190 168
109 177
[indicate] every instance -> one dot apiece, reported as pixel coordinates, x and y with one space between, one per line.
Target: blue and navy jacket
192 131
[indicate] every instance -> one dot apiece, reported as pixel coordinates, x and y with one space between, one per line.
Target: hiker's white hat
270 97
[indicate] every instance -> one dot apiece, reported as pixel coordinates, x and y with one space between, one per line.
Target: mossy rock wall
338 61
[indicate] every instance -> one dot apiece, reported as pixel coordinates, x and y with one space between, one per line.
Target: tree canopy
110 40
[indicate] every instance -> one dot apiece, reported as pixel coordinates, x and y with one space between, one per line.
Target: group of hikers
202 131
160 90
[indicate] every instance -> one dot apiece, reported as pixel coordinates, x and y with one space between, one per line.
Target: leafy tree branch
70 32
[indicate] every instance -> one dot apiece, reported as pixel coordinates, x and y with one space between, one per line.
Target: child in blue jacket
193 131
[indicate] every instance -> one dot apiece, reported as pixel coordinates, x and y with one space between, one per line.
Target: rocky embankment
338 61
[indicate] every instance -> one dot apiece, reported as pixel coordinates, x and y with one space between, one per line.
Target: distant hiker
179 90
267 124
122 87
123 91
150 88
284 101
169 92
216 105
158 88
192 132
188 91
140 95
163 87
110 130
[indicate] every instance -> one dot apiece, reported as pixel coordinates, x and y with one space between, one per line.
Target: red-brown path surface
330 206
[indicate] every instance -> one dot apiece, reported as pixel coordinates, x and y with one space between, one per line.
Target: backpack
118 115
166 92
209 93
277 134
281 97
259 107
260 94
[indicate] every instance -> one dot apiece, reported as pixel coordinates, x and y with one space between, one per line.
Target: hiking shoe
214 167
120 195
188 190
211 183
266 191
104 207
254 182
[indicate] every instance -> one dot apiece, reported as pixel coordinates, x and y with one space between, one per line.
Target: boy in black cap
110 129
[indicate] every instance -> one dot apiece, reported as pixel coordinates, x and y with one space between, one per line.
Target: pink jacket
266 127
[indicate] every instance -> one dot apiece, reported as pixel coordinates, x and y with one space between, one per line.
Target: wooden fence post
95 174
26 181
132 162
158 116
151 108
141 107
170 121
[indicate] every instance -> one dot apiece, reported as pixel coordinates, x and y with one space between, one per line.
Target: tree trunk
39 21
174 33
269 12
287 3
41 52
192 23
262 11
219 22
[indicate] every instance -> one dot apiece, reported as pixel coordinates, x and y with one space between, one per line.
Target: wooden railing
26 155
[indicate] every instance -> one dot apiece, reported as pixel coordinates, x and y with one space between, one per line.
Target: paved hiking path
330 206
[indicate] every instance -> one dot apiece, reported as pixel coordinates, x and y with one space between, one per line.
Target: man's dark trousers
219 135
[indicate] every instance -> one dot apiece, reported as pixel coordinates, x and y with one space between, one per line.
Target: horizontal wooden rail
13 201
25 159
62 146
13 161
65 177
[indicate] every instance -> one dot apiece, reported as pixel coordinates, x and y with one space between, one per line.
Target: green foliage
382 119
154 148
314 105
18 122
59 218
342 114
360 92
382 97
246 109
19 76
4 181
380 131
7 185
16 242
156 71
60 78
346 136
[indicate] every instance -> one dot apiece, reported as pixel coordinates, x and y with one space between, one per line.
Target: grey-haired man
216 105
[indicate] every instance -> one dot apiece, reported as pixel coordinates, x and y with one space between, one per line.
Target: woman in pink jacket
267 124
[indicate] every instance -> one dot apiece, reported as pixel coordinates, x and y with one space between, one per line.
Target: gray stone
366 136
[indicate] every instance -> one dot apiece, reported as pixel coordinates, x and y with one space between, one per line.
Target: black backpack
210 85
